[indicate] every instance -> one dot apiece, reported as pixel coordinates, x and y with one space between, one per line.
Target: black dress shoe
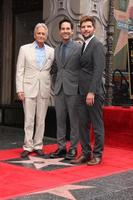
72 153
59 153
94 161
25 154
39 152
80 160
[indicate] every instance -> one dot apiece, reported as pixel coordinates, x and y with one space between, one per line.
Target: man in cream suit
33 84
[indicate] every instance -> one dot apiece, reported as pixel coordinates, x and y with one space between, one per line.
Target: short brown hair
87 18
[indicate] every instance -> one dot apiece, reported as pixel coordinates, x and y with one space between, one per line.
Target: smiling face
66 31
87 29
40 35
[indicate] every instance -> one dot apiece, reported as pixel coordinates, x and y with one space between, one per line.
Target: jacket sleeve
53 72
99 66
20 71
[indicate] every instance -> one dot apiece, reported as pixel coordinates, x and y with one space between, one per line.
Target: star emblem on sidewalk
64 191
39 162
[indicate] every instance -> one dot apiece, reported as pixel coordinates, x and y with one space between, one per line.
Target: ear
72 32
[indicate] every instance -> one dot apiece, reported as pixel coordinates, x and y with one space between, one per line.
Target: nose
41 34
86 27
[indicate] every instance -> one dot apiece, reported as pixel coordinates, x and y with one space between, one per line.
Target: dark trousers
67 105
91 115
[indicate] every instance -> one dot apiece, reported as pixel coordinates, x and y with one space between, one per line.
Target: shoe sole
62 156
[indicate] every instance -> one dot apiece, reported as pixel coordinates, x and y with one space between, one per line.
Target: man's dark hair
65 20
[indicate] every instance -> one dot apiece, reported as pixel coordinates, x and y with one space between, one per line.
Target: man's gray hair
41 25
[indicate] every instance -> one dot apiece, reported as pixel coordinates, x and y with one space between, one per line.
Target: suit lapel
89 46
46 56
44 65
58 53
69 53
33 54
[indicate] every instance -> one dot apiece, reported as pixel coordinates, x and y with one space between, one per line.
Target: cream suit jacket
29 78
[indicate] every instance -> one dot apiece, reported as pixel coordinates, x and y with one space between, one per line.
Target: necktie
83 46
63 57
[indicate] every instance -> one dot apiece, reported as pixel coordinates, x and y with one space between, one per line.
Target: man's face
87 29
40 35
66 31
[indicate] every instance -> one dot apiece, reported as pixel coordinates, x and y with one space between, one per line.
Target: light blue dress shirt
40 55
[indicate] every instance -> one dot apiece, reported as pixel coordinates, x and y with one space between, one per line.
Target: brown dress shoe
80 160
94 161
39 152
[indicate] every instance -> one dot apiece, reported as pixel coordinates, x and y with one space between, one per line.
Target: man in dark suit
66 71
92 93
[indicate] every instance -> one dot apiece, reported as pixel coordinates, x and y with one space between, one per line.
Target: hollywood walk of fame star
64 191
123 36
42 162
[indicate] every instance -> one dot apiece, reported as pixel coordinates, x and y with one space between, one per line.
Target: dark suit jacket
67 74
92 63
